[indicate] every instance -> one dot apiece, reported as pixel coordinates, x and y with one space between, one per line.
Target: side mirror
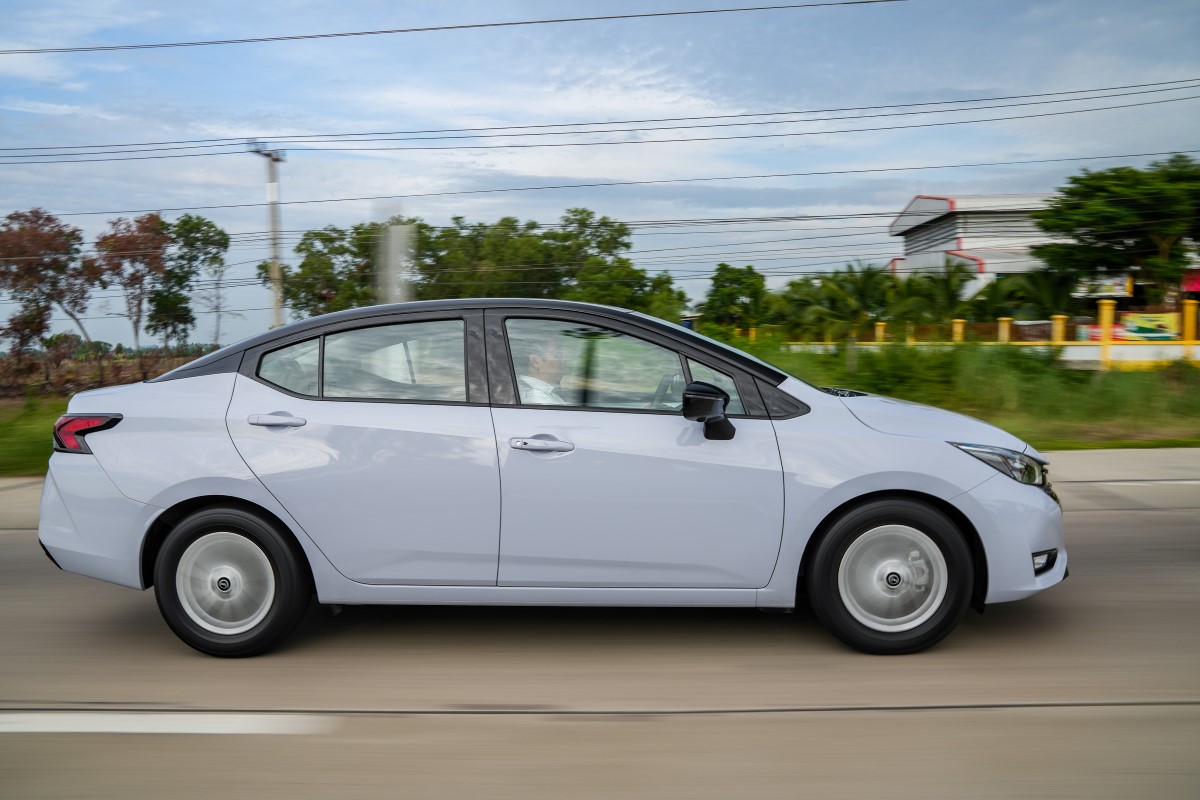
703 402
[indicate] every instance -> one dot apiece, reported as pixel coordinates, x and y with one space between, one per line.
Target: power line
663 181
288 138
740 137
262 39
121 149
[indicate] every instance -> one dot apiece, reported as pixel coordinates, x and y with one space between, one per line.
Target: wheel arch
165 522
960 520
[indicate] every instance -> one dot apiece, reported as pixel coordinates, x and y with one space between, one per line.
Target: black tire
907 577
247 590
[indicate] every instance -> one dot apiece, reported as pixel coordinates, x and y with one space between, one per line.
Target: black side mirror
703 402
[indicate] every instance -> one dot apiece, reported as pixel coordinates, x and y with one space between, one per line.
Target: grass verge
25 434
1026 393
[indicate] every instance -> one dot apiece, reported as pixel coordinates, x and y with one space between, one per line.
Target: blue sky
789 60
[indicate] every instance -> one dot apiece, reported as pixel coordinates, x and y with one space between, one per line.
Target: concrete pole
1189 326
1058 328
276 266
1107 315
1004 332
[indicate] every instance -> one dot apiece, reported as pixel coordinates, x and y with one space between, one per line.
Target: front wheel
891 576
229 584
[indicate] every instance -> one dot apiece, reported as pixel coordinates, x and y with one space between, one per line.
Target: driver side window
573 364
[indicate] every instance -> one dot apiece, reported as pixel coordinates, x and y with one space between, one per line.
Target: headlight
1017 466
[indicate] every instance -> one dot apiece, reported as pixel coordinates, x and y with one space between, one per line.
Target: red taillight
70 429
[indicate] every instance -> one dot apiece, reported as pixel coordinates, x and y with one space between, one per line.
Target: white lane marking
197 723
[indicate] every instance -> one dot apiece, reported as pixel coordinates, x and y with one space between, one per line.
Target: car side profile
536 452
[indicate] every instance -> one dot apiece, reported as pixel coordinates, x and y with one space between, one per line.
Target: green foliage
197 245
336 270
737 297
1121 218
1022 389
579 259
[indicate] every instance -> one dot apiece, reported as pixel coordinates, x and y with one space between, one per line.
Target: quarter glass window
411 361
293 368
722 381
572 364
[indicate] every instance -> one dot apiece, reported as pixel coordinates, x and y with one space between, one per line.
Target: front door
605 484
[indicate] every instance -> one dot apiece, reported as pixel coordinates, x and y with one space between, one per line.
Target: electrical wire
661 181
287 138
478 25
614 142
92 150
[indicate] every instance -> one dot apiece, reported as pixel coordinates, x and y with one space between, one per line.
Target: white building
989 233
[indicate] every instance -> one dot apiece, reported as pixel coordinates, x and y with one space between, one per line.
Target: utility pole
273 157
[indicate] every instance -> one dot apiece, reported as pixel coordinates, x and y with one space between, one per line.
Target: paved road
1089 690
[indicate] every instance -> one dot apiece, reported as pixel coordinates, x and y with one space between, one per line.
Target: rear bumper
1015 521
87 526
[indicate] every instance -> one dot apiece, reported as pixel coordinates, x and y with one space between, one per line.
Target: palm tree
995 299
1043 293
849 301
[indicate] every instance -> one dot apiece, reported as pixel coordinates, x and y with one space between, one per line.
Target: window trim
475 370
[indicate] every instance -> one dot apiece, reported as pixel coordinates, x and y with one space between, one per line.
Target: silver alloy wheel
225 583
892 578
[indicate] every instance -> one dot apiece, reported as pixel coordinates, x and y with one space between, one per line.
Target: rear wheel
228 583
891 576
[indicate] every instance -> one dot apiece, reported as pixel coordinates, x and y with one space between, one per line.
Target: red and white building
991 234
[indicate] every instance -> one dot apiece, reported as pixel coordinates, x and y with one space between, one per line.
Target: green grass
25 431
1027 393
1023 391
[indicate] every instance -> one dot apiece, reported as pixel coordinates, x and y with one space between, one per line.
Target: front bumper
1014 521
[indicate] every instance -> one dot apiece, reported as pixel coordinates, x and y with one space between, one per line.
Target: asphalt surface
1091 689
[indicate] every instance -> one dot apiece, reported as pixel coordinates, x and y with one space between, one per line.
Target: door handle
540 445
276 420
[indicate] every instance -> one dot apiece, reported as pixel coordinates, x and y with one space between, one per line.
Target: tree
132 254
736 298
198 247
336 270
1043 293
849 301
1124 219
619 283
510 258
41 267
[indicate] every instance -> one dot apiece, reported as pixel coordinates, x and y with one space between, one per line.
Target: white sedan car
526 452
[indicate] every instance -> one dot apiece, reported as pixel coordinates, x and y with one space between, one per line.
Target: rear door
379 441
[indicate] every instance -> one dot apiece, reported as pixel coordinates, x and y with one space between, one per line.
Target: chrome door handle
276 420
540 445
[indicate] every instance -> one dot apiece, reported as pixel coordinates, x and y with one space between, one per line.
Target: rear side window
294 367
411 361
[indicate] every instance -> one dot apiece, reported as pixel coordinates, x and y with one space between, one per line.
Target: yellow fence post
909 336
1189 326
1004 332
753 333
1107 314
1058 328
956 329
881 332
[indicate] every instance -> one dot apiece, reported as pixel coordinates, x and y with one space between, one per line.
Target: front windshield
719 344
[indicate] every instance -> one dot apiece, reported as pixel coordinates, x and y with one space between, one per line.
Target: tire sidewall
823 586
291 591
